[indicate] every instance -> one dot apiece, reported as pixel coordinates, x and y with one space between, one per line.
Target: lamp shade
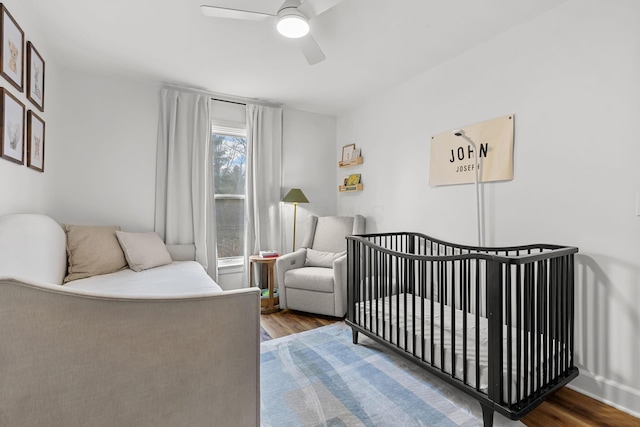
295 195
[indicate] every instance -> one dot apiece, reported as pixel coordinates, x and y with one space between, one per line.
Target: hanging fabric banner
453 157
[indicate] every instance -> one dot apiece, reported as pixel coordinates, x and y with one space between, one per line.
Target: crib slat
519 305
465 310
563 315
477 340
508 314
431 308
453 319
442 296
494 323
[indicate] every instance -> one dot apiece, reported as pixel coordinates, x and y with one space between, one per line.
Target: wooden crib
495 322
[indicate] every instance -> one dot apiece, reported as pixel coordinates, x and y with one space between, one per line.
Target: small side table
269 303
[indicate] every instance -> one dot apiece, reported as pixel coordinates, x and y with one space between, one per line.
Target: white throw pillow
143 250
321 259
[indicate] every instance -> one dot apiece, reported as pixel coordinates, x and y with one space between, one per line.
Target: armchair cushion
316 279
321 258
328 233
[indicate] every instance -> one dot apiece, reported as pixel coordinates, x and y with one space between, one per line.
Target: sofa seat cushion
180 278
317 279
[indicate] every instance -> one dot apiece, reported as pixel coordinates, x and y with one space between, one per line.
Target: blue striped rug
319 378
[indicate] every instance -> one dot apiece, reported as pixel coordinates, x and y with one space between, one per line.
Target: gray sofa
81 357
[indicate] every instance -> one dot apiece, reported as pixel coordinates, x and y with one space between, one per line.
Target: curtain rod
230 102
221 96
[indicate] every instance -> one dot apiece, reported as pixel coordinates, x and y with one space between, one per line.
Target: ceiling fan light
293 26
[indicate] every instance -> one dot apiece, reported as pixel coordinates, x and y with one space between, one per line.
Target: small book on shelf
354 179
268 254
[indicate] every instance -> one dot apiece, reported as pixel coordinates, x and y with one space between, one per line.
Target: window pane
230 227
229 163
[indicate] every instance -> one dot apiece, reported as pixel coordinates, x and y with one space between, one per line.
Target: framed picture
347 152
35 141
35 77
11 49
354 179
12 127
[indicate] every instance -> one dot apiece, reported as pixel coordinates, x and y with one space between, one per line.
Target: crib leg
487 415
354 336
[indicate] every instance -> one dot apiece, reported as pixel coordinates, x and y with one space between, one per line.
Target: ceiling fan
292 21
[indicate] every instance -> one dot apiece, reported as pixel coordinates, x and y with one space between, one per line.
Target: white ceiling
370 45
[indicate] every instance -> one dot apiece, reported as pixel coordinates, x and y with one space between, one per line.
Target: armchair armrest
340 280
290 261
285 263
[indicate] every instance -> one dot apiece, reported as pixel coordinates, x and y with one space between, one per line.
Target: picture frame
11 127
35 77
347 152
354 179
35 141
11 49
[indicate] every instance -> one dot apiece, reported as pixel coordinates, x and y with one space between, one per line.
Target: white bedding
180 278
391 326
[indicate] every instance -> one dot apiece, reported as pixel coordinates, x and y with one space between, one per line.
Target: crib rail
496 322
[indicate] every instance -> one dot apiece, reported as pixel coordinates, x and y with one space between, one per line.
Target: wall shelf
350 188
350 163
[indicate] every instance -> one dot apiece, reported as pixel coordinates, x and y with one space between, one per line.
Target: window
229 146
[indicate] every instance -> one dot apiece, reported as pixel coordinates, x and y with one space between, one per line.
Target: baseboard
620 396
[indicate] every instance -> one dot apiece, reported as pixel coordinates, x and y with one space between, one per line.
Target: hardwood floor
288 322
565 408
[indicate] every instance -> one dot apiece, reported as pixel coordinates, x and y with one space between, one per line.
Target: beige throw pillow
321 259
92 250
143 250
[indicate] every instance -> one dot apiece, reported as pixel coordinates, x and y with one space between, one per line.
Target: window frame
219 127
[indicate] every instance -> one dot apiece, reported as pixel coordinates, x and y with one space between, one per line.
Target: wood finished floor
565 408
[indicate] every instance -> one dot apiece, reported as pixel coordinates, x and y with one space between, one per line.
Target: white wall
571 77
308 162
24 189
105 163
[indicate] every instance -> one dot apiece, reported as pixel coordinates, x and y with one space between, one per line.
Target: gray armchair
314 277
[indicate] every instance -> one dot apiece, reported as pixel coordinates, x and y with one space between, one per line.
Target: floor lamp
460 133
295 196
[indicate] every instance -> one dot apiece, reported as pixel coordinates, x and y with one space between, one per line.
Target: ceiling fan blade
223 12
311 8
311 50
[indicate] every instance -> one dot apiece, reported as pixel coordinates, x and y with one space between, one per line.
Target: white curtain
184 200
264 179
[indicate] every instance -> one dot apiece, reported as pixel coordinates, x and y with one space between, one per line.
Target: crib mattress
381 317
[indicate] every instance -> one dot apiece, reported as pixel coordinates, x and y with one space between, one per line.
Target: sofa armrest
73 357
285 263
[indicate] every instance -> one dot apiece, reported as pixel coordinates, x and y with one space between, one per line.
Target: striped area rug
319 378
